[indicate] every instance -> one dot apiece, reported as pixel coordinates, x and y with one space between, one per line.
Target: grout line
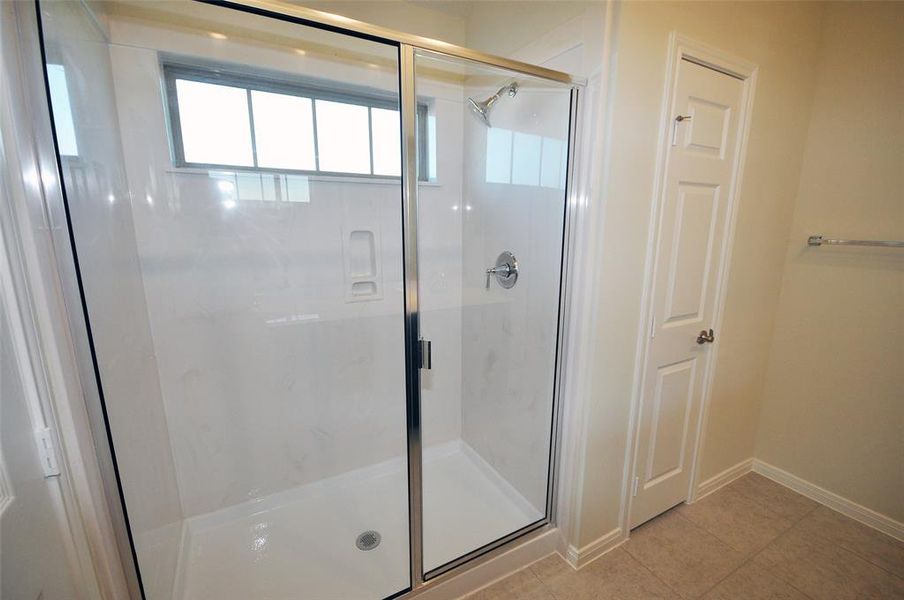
749 560
650 571
845 549
763 549
543 585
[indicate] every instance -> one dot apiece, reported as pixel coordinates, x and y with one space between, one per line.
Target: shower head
482 109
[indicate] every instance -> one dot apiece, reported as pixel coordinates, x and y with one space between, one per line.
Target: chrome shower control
505 271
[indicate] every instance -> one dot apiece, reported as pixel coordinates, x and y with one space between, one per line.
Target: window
234 120
520 158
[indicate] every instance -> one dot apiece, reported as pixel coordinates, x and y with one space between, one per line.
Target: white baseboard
579 557
849 508
722 479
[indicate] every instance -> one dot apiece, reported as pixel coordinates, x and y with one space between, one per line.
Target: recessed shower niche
362 265
283 236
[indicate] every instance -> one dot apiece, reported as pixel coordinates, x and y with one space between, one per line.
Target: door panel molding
683 48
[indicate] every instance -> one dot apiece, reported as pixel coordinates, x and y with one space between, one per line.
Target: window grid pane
214 123
242 126
386 148
343 137
283 131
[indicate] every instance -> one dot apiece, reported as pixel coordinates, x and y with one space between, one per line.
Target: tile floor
753 539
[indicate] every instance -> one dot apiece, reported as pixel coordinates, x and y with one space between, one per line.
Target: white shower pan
300 543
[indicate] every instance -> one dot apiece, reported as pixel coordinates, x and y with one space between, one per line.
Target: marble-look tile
687 558
876 547
617 575
521 585
820 569
778 499
750 582
741 522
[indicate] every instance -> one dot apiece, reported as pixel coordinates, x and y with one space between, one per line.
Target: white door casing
700 168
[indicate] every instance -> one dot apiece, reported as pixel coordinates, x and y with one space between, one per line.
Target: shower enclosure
318 285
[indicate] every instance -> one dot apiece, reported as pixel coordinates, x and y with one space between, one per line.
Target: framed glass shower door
491 237
232 186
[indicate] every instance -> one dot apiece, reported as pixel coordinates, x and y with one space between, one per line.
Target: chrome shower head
482 109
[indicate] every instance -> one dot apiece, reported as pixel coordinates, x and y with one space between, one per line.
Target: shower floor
300 543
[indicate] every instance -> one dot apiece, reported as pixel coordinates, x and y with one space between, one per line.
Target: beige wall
833 408
782 38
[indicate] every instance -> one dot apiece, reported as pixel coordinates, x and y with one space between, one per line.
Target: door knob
679 119
706 338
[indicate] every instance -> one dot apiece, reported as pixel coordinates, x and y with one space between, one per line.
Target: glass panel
214 123
343 139
248 325
487 403
283 131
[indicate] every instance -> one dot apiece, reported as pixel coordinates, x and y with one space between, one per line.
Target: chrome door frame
407 45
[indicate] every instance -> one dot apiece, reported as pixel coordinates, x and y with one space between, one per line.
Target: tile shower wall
514 200
272 374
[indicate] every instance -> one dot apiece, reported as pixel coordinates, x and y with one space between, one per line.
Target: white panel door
699 170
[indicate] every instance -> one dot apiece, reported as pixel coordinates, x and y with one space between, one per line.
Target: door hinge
653 327
425 354
636 485
47 452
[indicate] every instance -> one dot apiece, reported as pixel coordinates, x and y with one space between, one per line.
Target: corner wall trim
580 557
848 508
722 479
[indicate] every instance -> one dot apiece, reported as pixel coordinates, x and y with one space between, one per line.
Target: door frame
681 48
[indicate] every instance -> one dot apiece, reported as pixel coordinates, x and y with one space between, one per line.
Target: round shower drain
368 540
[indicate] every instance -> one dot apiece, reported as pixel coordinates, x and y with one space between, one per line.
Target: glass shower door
491 222
232 185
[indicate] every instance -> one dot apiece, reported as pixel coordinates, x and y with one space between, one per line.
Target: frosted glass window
526 159
63 122
551 163
283 131
387 144
499 155
214 123
343 137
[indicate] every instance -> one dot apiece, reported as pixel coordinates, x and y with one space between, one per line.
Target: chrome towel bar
818 240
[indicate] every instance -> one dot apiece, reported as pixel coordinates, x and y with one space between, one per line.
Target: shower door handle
425 354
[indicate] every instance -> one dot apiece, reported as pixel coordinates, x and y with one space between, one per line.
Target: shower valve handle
505 271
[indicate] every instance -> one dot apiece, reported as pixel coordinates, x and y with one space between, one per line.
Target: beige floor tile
521 585
775 497
687 558
741 522
876 547
823 570
615 576
753 583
